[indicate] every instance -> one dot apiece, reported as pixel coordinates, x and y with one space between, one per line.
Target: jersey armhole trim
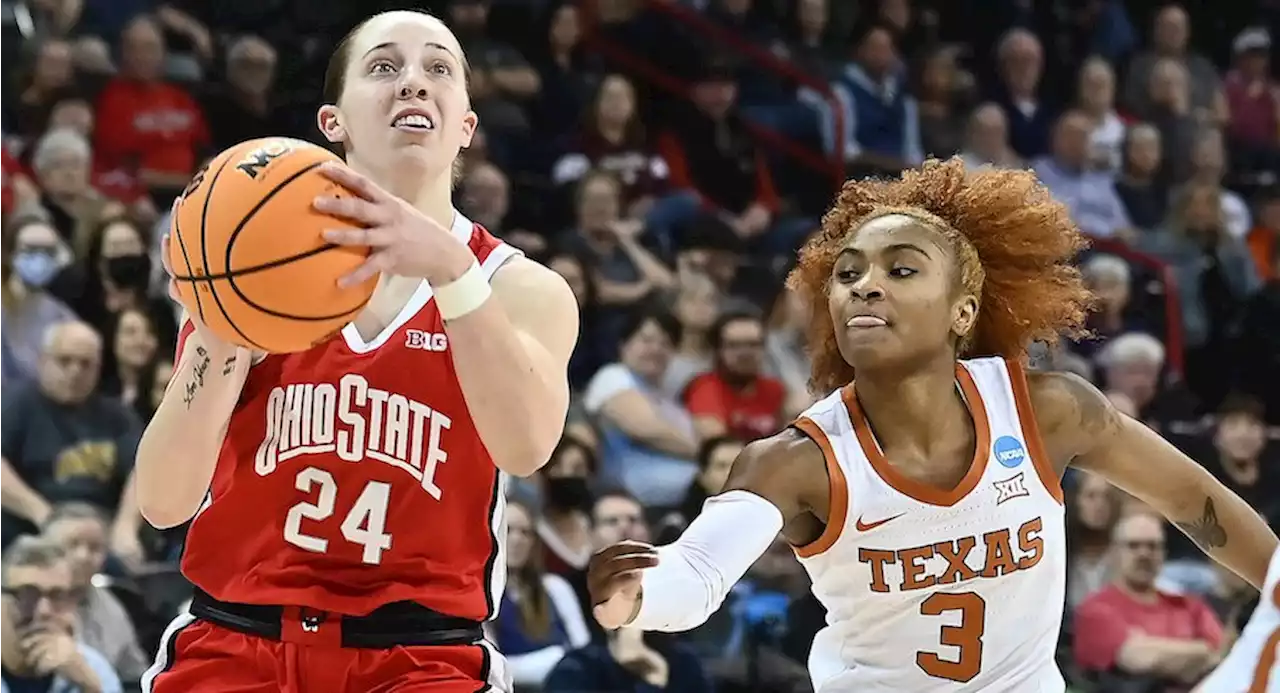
1261 682
838 511
1031 430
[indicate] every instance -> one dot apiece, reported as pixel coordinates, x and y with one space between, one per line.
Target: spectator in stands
61 164
102 623
943 93
72 113
810 46
51 77
1095 97
784 351
486 199
131 362
1139 184
539 619
1264 238
715 459
62 441
567 71
243 107
696 306
116 274
1242 458
736 398
628 662
593 349
34 254
564 527
1168 107
1170 40
501 80
1089 195
648 439
1093 509
1109 279
616 516
1020 58
710 151
39 651
624 272
1209 167
1132 631
1133 364
145 125
1214 273
1258 345
1253 99
881 118
987 139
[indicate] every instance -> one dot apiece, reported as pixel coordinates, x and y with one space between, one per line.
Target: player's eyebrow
899 247
389 44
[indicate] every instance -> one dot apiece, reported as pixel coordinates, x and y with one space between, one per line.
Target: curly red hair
1015 246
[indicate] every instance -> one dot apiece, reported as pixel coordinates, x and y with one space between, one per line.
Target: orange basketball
247 251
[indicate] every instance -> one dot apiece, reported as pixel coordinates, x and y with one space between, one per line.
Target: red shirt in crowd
747 413
148 127
1105 619
9 167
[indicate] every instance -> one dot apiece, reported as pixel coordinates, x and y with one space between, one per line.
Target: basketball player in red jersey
348 500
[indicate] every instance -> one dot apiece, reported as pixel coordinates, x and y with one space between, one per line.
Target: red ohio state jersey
352 476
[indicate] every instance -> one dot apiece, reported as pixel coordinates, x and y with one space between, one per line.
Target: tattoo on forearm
1206 531
229 366
197 376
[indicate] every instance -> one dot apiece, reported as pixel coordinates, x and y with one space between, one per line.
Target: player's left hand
401 239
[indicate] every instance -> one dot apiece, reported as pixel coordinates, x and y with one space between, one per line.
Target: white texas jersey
1252 665
939 590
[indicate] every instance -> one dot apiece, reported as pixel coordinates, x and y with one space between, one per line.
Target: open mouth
414 122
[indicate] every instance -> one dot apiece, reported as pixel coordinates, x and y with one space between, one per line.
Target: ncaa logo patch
1009 451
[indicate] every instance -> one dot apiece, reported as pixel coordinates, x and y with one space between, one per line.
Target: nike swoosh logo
868 526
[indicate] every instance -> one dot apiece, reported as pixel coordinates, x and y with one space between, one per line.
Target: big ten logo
253 162
426 341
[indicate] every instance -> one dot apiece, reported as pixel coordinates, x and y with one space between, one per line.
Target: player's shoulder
784 457
1068 410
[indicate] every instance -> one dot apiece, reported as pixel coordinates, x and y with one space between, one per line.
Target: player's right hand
613 579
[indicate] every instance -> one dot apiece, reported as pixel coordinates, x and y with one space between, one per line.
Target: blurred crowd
667 157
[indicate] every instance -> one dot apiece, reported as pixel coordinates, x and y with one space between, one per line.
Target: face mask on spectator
129 270
35 268
568 492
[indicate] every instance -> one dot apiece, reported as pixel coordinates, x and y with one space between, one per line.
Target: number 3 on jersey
364 524
966 636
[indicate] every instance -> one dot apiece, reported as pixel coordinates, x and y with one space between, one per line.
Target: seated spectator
986 141
881 119
1095 97
102 623
51 76
1133 365
1169 110
539 619
1109 278
1170 41
1209 167
151 128
566 70
1253 103
1089 195
943 92
736 398
696 306
616 516
649 443
33 257
1242 457
711 151
242 108
1140 184
501 81
115 274
629 662
1131 631
63 442
38 622
486 199
1093 507
1020 66
1264 239
1258 343
130 366
62 163
715 460
564 527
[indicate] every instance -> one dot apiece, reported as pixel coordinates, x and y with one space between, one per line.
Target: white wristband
462 295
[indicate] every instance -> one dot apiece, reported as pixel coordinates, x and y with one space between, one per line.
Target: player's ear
329 120
964 316
470 122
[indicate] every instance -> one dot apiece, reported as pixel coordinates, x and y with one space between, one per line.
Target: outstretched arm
1079 424
678 586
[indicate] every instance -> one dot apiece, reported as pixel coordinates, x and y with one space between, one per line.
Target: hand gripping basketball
613 579
401 239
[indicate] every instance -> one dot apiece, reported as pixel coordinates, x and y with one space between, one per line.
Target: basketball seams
204 256
259 268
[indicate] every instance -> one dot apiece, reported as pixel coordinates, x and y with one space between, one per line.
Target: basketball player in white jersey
1253 665
924 498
